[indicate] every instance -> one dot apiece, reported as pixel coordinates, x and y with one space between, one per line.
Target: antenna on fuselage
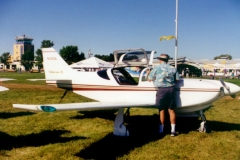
90 53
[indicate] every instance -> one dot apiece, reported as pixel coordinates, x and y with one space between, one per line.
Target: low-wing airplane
123 91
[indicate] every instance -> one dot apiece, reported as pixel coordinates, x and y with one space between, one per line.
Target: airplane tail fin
54 65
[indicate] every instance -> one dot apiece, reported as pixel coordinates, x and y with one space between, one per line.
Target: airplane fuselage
191 94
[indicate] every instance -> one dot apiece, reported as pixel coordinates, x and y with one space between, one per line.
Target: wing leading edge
79 106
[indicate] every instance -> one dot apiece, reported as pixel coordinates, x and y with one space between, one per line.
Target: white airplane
120 92
4 88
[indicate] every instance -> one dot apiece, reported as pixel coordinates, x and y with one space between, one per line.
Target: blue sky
206 28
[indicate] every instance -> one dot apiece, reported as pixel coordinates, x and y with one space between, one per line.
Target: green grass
88 135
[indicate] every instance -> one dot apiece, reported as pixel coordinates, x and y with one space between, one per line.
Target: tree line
225 56
69 53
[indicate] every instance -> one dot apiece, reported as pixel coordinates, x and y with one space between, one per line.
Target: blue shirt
164 75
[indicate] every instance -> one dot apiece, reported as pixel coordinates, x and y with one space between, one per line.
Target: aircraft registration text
51 58
52 71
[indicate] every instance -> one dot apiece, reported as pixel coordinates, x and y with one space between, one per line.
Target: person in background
187 72
164 77
182 73
237 74
203 71
232 74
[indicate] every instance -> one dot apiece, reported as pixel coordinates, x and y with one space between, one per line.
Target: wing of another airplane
6 79
3 88
79 106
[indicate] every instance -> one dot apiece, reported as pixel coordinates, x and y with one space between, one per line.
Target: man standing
164 77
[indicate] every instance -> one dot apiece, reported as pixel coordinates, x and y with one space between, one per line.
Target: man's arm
148 72
151 76
177 76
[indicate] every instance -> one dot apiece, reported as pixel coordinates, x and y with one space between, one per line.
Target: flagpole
176 35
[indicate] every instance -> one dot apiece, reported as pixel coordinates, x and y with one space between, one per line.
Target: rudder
54 65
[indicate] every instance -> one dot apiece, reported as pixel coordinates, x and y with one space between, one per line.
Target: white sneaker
173 134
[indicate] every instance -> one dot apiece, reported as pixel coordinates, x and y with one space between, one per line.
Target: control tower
23 44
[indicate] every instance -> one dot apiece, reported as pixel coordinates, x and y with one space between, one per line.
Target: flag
166 37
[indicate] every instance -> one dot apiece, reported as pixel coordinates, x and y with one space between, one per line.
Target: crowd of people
227 73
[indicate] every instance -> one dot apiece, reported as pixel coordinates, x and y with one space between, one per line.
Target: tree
111 57
226 56
27 59
70 54
106 58
82 56
39 57
47 44
4 58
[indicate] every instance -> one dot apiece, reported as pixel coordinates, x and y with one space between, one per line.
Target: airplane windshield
123 77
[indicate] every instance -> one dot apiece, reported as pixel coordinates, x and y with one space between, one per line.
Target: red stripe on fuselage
82 87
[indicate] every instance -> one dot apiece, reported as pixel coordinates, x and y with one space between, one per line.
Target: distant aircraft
116 88
4 88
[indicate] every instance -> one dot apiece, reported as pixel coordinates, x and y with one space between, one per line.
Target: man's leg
162 120
172 121
172 116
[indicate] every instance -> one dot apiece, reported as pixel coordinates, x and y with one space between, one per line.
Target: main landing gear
119 128
203 126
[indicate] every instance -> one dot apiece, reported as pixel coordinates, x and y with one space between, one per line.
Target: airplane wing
3 88
6 79
78 106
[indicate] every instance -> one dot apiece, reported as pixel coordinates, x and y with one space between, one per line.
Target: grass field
88 135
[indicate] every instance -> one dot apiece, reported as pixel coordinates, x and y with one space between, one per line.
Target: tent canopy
92 62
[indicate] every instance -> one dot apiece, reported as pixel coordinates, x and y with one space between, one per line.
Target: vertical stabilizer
54 66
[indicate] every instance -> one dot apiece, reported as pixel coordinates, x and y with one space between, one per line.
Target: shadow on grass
111 147
223 126
185 125
142 129
8 142
5 115
104 114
